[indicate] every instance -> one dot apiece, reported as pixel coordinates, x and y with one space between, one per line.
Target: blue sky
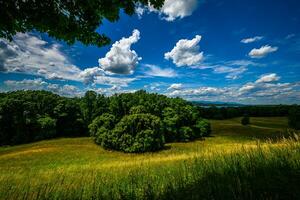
231 51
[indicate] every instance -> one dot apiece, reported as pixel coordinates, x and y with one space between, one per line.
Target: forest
128 122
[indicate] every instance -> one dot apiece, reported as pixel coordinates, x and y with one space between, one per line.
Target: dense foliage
144 122
245 120
128 122
26 116
133 122
294 118
71 21
134 133
224 112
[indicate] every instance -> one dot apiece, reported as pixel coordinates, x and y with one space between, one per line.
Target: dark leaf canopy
67 20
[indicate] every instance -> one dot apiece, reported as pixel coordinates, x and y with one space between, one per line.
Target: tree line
133 122
215 112
129 122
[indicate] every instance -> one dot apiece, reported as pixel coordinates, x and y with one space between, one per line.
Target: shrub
245 120
203 128
134 133
106 121
294 118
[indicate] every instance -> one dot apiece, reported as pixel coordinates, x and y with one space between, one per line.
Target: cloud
267 78
171 10
250 40
39 84
262 51
186 52
154 70
249 93
289 36
199 92
232 73
121 59
31 55
89 75
175 86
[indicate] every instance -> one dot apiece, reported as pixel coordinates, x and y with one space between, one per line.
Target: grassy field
236 162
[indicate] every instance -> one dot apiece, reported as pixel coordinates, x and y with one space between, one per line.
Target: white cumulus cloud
262 51
267 78
121 59
30 54
171 10
186 52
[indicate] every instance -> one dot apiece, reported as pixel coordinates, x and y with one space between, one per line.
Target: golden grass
74 163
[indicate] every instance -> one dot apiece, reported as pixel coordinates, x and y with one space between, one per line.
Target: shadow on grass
259 180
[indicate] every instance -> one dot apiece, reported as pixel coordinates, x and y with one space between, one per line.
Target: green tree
137 109
89 105
245 120
47 127
106 121
134 133
171 124
71 21
202 128
294 117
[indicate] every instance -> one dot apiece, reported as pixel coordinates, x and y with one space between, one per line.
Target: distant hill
217 103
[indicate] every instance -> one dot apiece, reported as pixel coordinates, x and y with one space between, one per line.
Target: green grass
237 162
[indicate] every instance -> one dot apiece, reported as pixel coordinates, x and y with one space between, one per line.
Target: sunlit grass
76 168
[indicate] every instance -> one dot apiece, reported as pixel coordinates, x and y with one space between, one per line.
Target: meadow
258 161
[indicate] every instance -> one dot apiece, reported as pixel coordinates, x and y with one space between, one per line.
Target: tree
245 120
137 109
203 128
70 21
47 127
294 117
106 121
171 124
89 105
134 133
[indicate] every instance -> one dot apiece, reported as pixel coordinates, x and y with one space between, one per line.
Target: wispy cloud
154 70
262 51
253 39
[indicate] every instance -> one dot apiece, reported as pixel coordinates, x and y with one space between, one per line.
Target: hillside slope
75 168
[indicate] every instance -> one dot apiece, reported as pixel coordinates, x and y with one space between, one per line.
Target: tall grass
259 172
221 167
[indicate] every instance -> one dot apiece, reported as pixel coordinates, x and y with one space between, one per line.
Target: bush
134 133
245 120
294 118
106 121
203 128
